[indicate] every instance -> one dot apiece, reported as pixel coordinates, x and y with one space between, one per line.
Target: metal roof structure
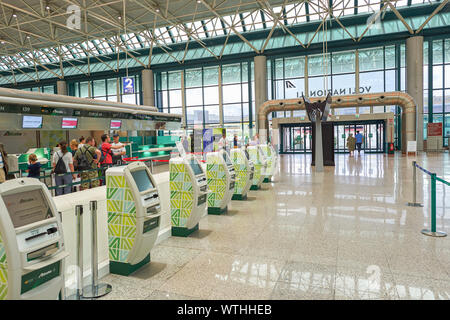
56 38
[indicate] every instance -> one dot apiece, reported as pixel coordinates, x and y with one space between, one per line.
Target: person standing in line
235 141
3 164
223 141
87 159
34 167
359 141
117 154
82 142
74 146
62 164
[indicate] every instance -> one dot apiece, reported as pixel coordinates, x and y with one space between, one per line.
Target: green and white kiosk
220 177
188 192
260 163
134 213
32 248
244 170
270 155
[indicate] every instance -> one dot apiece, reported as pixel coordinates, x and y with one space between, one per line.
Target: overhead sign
434 129
128 85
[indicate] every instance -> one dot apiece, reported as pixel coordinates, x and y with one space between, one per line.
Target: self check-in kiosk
221 179
259 161
32 248
244 170
188 192
134 213
271 157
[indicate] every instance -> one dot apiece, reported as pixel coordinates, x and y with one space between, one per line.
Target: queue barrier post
79 241
432 232
414 203
95 289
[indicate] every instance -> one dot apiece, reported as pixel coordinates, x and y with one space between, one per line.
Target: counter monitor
31 122
115 124
69 123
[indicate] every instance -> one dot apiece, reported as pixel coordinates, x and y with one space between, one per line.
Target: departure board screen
142 180
195 167
26 208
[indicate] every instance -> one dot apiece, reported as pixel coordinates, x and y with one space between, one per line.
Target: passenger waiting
62 164
34 167
82 142
3 164
74 146
86 159
117 154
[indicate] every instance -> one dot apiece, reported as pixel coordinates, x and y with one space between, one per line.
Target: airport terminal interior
224 150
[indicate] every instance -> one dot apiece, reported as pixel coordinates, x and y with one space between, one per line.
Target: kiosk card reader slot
32 248
221 176
188 194
134 213
244 173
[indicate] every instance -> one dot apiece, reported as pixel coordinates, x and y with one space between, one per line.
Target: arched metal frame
402 99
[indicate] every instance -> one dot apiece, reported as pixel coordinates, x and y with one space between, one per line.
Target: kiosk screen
27 207
227 159
195 167
142 180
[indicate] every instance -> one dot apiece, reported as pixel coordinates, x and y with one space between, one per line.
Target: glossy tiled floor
342 234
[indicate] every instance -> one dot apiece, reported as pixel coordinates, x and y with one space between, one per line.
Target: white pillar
260 69
414 82
148 93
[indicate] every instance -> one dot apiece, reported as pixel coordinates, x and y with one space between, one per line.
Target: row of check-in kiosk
32 247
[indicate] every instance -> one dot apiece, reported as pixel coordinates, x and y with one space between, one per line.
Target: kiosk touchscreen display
227 159
27 207
142 180
195 167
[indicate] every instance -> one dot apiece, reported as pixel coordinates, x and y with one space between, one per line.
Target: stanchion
432 232
95 289
79 291
414 203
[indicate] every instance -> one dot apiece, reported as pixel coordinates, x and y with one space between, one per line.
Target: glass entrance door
297 138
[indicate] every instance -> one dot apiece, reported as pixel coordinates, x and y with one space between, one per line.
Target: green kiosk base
267 180
217 211
239 197
183 232
125 269
255 187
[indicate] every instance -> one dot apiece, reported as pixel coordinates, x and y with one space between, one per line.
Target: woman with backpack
62 164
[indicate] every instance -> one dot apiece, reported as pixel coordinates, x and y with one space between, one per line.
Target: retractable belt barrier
429 232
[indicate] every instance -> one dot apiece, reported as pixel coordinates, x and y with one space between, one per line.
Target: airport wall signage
51 111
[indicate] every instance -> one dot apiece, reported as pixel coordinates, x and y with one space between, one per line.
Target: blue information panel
128 85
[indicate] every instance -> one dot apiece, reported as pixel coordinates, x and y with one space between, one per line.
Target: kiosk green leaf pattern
259 168
216 177
241 171
121 218
3 271
181 194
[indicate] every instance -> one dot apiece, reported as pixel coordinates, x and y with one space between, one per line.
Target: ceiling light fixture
157 9
14 15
